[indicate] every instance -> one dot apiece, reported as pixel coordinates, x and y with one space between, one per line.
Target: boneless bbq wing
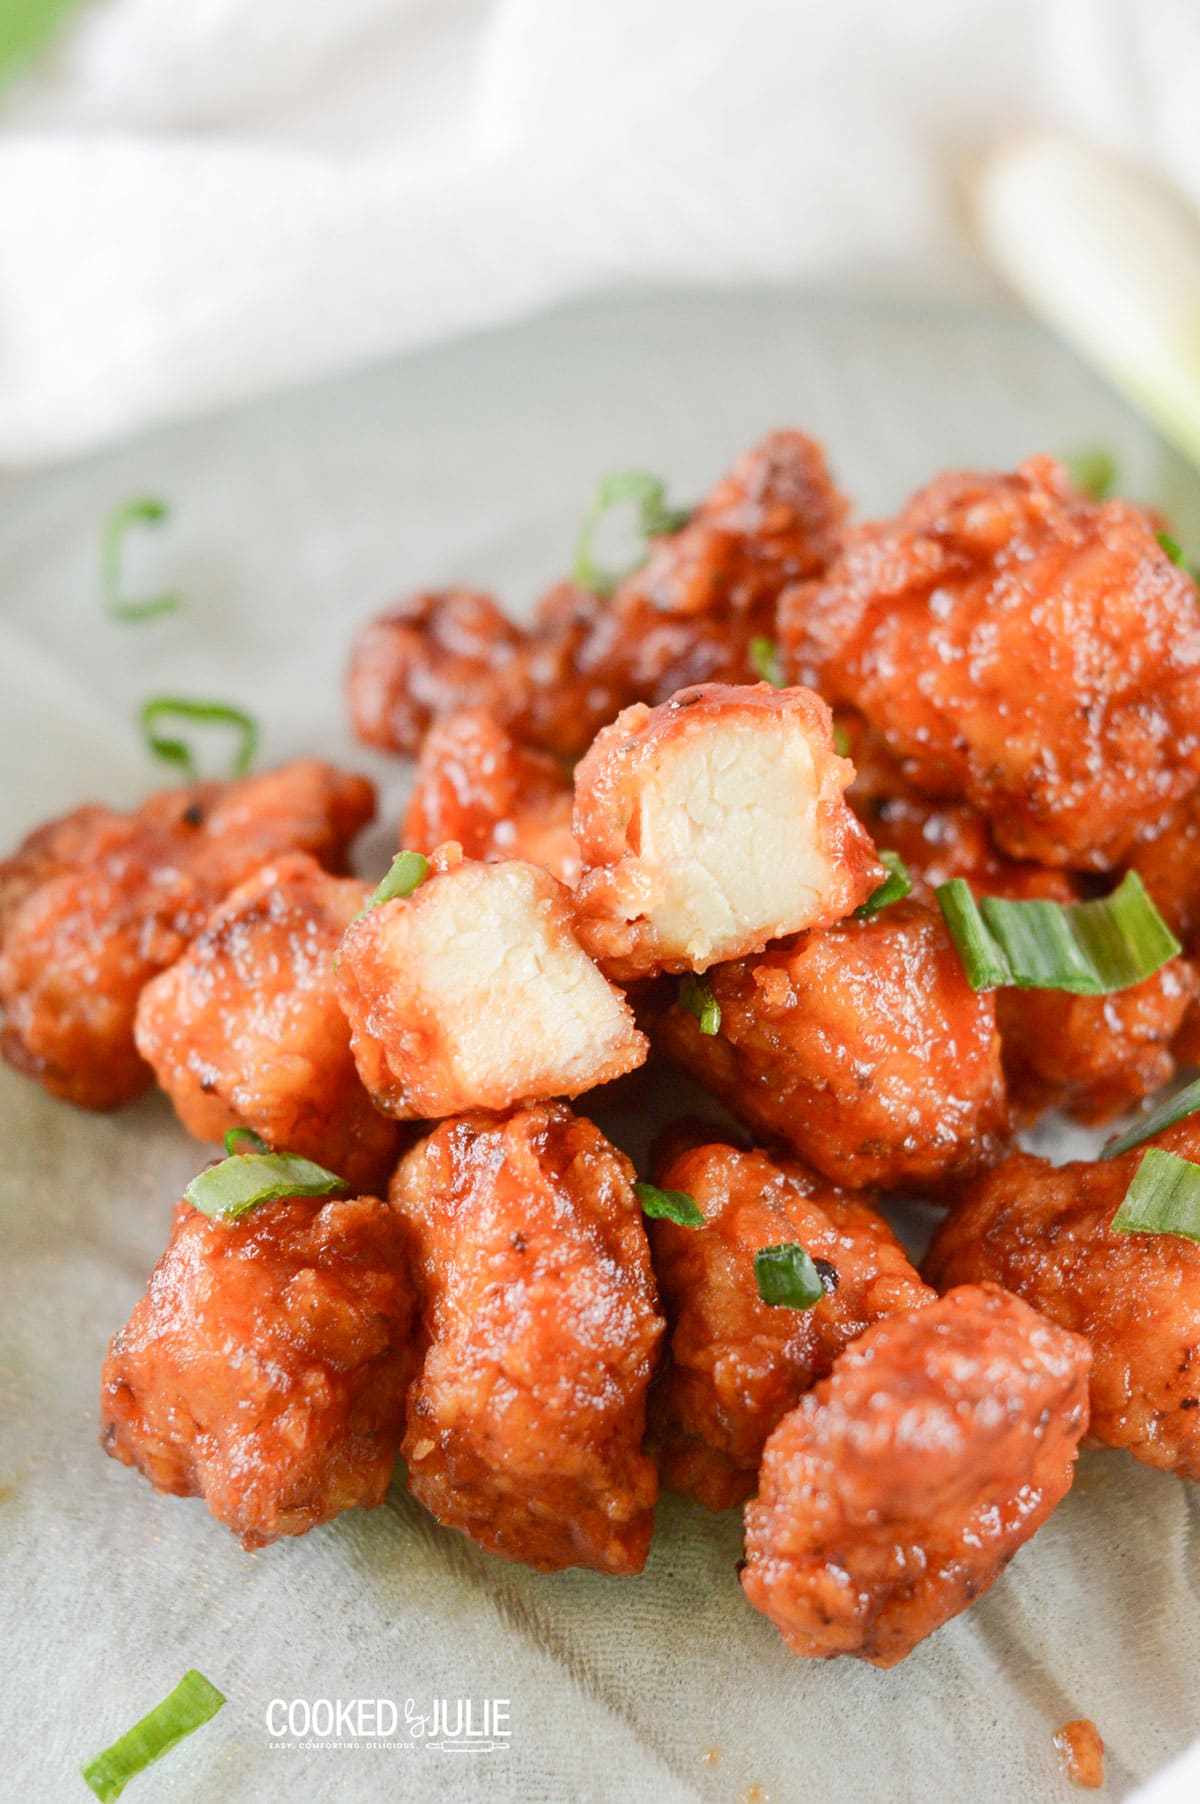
738 1364
266 1367
526 1420
1046 1232
862 1047
475 785
899 1488
245 1029
113 901
711 825
473 992
1021 648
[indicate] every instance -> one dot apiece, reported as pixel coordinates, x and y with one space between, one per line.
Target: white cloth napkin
200 203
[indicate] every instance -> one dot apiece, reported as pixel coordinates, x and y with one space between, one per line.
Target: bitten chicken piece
1091 1055
737 1364
525 1423
1045 1231
245 1029
474 993
477 786
862 1047
266 1367
711 825
1019 647
899 1488
102 902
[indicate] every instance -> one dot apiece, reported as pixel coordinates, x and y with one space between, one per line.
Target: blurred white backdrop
202 202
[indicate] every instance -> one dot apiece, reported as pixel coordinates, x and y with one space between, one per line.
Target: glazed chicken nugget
711 825
899 1488
475 785
474 993
1046 1232
738 1364
1166 858
81 943
862 1047
526 1420
245 1030
266 1367
1020 648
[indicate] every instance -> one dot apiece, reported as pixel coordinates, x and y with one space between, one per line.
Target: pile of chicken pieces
1015 670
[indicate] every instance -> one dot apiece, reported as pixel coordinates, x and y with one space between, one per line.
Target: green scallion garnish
764 655
789 1278
669 1205
406 871
895 886
1164 1197
192 1703
1093 472
236 1135
1185 1102
145 508
1086 948
841 741
1173 549
698 999
242 1181
648 494
177 751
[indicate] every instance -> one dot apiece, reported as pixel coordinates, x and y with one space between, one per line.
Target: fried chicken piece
477 786
266 1367
899 1488
525 1423
1020 648
110 900
737 1364
1045 1232
245 1030
474 993
1167 862
1091 1055
711 825
861 1047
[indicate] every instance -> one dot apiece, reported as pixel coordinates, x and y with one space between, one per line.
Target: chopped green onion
764 655
153 511
1093 472
1172 547
1085 948
669 1205
192 1703
788 1278
1164 1197
244 1180
177 751
25 31
407 870
237 1134
841 741
895 886
1184 1103
698 999
648 493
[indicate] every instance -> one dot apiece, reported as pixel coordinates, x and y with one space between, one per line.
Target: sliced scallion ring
1164 1197
1184 1103
698 999
669 1205
407 870
648 494
173 750
764 655
242 1181
152 511
193 1702
789 1278
895 886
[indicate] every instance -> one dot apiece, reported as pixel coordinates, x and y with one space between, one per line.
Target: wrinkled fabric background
292 522
199 203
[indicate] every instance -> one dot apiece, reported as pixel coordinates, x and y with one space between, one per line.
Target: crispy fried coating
861 1047
1020 648
899 1488
712 825
474 993
737 1364
1045 1232
245 1030
1090 1055
108 901
1167 859
266 1367
496 799
525 1423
